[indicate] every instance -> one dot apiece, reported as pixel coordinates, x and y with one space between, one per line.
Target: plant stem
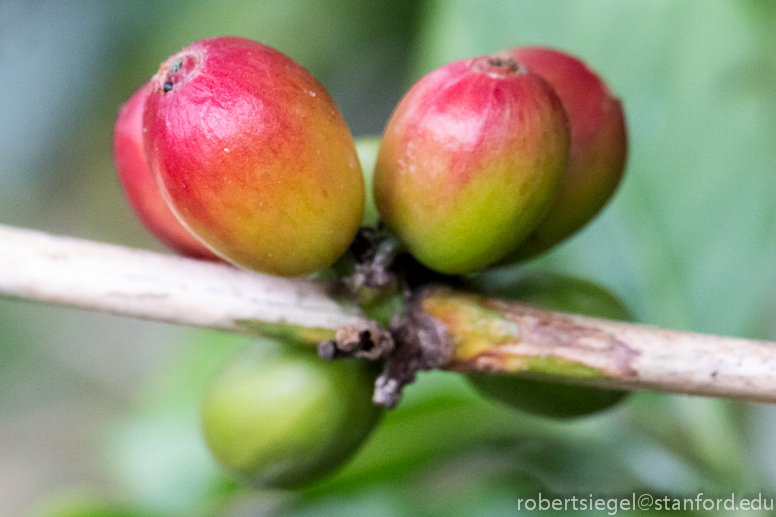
152 286
500 336
480 333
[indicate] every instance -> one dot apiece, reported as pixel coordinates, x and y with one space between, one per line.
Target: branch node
367 341
421 343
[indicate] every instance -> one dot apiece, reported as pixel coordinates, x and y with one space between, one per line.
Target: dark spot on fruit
497 66
507 63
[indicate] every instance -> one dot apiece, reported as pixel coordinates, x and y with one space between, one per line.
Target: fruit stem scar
499 62
497 66
178 70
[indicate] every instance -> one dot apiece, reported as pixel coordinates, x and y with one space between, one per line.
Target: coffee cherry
254 156
278 415
367 148
599 144
470 162
550 399
139 185
558 293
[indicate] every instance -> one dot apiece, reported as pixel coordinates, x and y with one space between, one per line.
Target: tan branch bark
510 337
480 333
152 286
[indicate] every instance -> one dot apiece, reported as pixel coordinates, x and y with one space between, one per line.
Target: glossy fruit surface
558 293
254 156
470 162
599 143
281 416
139 185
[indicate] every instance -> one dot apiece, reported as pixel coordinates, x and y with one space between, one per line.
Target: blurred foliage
101 402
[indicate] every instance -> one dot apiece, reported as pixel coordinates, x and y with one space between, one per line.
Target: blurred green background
97 409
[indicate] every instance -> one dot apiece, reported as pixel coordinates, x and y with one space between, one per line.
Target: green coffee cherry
367 149
280 416
546 398
558 293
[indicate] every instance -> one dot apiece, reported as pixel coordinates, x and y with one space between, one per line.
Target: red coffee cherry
470 162
139 185
599 144
254 156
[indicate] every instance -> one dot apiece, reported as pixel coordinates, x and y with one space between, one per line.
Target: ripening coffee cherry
139 185
281 416
599 144
470 162
254 156
558 293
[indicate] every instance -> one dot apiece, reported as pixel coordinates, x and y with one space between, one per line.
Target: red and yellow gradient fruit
254 156
599 143
139 185
470 162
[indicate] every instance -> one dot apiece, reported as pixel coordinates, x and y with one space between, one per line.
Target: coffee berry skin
277 415
139 185
471 160
253 156
599 144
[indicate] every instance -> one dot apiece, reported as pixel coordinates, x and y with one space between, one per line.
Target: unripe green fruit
470 162
557 293
281 416
599 144
542 398
367 148
253 156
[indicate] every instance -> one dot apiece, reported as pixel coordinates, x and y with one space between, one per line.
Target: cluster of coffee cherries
234 152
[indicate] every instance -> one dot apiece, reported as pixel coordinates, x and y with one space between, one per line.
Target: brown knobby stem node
381 268
421 343
414 341
374 252
367 341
